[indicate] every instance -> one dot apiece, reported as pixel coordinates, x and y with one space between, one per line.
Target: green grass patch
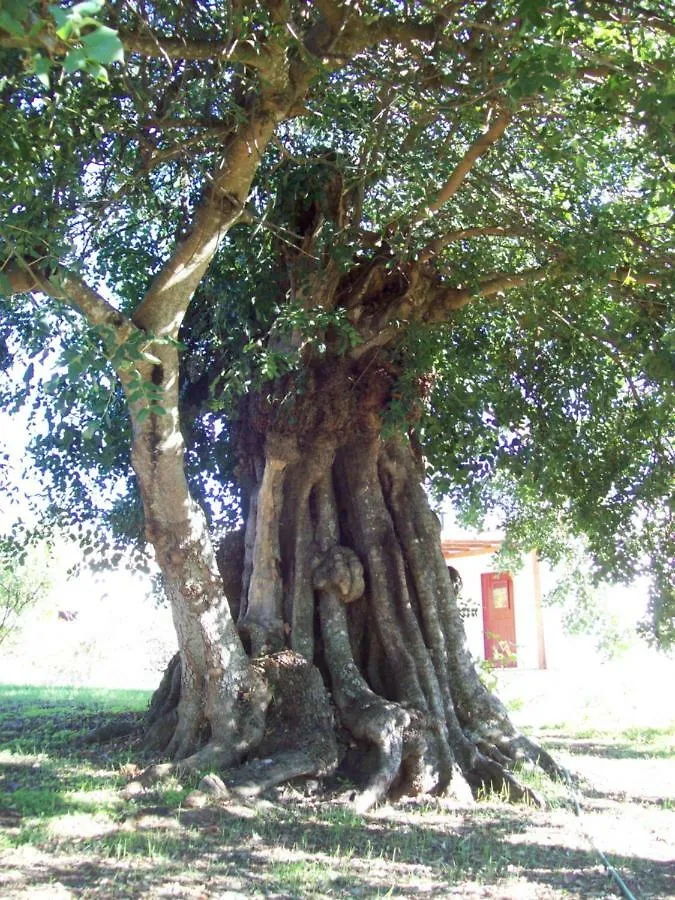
47 770
626 743
55 720
36 701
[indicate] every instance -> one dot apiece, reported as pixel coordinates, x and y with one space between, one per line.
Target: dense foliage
513 158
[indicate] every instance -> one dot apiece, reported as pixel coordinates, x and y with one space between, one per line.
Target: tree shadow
607 749
50 729
290 849
291 852
33 787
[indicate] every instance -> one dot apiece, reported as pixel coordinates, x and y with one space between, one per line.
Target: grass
627 743
60 799
46 769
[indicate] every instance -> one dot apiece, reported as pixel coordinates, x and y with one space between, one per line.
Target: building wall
527 643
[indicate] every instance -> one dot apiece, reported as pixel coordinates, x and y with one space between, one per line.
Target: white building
502 611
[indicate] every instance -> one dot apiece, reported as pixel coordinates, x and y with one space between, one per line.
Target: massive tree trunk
340 572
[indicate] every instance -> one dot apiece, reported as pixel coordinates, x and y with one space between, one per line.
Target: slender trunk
222 699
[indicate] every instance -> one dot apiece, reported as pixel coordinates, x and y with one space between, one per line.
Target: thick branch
235 51
359 35
341 34
164 306
334 13
71 289
497 284
445 300
149 44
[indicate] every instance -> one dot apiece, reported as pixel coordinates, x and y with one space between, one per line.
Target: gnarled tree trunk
341 564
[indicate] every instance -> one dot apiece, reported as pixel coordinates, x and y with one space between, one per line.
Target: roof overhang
456 548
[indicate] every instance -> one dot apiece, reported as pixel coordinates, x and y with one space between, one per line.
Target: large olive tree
316 252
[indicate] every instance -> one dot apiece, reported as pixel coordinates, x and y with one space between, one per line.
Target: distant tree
288 259
23 583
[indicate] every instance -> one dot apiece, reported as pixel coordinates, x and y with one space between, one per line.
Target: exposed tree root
259 775
368 717
110 731
162 716
342 560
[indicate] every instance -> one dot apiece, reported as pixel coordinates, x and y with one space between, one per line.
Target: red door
499 623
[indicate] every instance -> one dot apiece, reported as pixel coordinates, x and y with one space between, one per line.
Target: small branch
462 169
463 234
633 15
628 277
609 348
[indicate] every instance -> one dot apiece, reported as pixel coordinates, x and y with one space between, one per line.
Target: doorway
499 621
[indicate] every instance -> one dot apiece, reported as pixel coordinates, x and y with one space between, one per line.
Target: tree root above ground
381 756
340 563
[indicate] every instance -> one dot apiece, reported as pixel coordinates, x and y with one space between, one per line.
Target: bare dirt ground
90 842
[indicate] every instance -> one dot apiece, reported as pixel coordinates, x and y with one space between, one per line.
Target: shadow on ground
286 853
65 832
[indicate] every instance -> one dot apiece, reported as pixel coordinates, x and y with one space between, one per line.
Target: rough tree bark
215 702
341 570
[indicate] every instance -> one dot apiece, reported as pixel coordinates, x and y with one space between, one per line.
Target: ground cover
67 829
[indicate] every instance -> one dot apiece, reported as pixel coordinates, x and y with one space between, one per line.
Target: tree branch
343 34
633 15
434 247
154 45
628 276
24 277
162 309
498 283
462 169
448 299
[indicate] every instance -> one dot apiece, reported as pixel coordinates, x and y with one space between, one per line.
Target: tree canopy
476 195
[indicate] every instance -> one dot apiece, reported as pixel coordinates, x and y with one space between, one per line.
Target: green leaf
42 67
70 19
6 289
87 8
10 24
103 46
74 61
98 72
62 18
